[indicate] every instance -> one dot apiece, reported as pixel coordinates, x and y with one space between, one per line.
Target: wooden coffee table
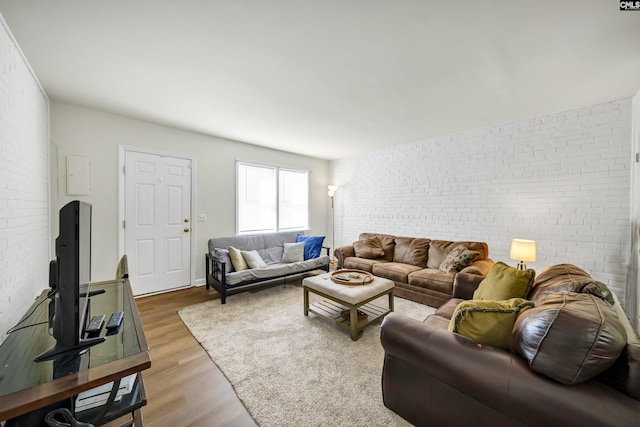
340 298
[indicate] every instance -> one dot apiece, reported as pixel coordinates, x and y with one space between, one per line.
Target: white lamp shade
523 250
332 190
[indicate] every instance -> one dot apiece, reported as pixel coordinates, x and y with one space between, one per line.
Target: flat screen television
69 279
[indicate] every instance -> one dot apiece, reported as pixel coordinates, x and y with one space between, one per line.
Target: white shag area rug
292 370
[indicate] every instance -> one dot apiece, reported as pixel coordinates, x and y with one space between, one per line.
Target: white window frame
277 169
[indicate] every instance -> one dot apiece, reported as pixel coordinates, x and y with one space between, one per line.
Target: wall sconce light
523 250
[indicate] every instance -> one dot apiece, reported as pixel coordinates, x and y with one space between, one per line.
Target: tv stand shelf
129 403
32 389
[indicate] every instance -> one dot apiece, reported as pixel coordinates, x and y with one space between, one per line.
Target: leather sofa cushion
569 337
432 279
504 282
411 251
488 322
439 249
437 321
446 310
568 278
370 248
362 263
387 241
398 272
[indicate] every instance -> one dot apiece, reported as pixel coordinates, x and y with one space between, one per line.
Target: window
271 199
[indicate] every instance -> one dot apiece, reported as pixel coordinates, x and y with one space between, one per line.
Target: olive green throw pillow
488 322
504 282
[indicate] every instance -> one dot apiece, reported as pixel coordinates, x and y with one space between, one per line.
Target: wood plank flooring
184 387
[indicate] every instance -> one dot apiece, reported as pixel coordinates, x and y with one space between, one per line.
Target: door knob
186 220
186 230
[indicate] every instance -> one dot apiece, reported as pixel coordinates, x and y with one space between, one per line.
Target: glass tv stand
29 390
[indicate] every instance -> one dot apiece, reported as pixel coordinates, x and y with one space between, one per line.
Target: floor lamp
332 191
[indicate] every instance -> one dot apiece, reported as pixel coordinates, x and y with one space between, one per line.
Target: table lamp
523 250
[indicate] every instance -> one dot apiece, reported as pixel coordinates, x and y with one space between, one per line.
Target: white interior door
157 226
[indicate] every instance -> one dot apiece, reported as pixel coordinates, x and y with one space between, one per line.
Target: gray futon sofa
270 247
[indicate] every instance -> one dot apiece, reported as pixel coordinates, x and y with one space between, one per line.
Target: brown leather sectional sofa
413 264
433 377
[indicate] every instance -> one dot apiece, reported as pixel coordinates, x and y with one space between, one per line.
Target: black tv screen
71 271
73 254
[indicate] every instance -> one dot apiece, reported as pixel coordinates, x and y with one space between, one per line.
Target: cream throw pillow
237 259
293 252
253 259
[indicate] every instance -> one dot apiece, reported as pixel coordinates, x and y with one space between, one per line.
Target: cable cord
16 328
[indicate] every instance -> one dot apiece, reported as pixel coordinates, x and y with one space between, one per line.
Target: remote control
95 325
115 320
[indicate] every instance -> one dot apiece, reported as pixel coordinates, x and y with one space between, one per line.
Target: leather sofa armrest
480 267
465 284
423 353
405 338
343 252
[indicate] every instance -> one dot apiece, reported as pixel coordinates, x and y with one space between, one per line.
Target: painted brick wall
24 184
561 179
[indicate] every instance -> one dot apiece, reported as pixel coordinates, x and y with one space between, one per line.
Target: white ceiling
329 78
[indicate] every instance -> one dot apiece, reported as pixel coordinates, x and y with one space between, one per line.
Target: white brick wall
562 180
24 184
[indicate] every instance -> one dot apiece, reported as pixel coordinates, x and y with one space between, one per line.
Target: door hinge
637 157
124 224
124 169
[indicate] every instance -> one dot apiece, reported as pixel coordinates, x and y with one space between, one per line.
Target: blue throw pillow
312 245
